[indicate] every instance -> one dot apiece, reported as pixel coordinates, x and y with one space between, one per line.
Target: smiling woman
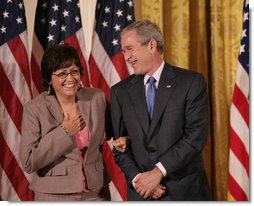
63 132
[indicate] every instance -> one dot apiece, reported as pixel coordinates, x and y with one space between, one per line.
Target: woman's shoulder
90 93
39 99
37 104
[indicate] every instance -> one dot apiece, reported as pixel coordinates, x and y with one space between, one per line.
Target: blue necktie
150 95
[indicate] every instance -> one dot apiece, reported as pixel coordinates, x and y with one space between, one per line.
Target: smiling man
164 110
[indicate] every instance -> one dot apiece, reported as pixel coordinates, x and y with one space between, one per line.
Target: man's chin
137 72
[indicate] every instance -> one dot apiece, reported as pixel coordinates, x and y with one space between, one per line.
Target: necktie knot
151 80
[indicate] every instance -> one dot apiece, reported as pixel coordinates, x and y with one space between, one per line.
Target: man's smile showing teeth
133 62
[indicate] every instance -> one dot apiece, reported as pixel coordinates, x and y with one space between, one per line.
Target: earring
49 89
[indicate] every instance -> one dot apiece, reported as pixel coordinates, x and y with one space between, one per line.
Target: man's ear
152 45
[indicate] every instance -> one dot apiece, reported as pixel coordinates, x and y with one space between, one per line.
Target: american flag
15 91
107 67
238 178
57 21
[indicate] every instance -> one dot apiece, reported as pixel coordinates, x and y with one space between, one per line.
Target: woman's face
66 81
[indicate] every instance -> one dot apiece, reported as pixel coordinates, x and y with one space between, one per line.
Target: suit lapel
137 95
164 89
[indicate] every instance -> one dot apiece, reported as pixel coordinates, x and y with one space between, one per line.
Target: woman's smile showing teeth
69 85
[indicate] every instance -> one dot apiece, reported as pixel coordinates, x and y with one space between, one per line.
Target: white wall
87 9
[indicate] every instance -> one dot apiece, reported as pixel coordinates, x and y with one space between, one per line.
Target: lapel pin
168 86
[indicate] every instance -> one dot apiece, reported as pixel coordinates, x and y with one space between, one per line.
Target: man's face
137 55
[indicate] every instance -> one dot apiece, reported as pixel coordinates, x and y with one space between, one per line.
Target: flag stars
53 22
65 13
119 13
77 19
50 37
244 33
117 27
45 5
115 42
130 3
242 49
20 5
3 29
19 20
129 17
63 28
6 14
9 1
245 17
55 7
104 24
107 10
43 20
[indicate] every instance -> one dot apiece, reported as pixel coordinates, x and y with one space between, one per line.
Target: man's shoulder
182 71
125 82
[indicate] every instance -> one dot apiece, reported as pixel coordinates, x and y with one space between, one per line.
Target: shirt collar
156 75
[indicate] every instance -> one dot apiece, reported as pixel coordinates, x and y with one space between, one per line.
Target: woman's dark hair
56 57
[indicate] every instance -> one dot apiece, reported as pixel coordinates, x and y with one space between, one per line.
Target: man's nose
126 55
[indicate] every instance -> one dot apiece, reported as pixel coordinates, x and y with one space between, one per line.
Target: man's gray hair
146 31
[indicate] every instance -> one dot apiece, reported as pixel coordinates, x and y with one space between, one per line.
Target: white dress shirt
156 75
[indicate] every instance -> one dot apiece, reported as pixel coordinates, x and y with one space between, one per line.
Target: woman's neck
68 105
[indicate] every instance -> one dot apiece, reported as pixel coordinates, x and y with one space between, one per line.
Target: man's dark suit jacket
175 136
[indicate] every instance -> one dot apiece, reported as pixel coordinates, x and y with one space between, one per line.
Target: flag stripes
238 177
15 91
107 65
240 127
10 100
21 58
77 41
120 65
242 104
8 192
115 171
236 191
97 78
13 171
239 149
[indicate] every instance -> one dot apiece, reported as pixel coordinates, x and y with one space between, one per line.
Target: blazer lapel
55 108
137 95
85 107
164 89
